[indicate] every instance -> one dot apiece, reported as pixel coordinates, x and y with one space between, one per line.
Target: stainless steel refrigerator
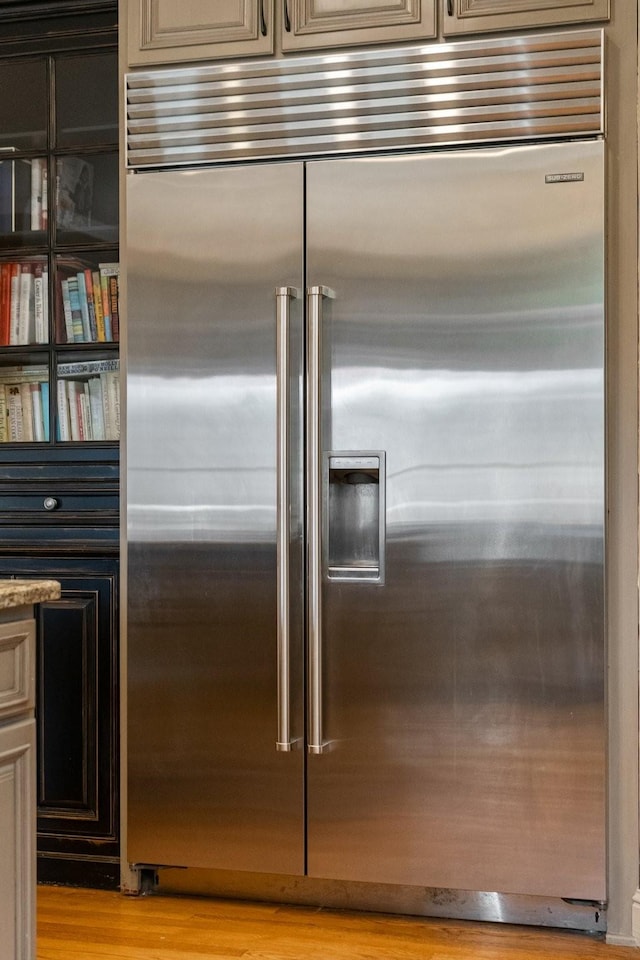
365 444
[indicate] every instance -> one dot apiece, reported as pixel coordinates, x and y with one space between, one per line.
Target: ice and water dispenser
354 532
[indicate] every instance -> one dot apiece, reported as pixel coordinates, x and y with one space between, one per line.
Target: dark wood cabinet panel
77 718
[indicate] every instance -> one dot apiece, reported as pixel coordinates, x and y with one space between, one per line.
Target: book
39 316
88 283
14 405
74 389
44 399
111 404
66 310
27 411
36 193
7 196
84 307
14 293
5 303
4 422
25 306
64 426
80 367
37 412
109 273
76 312
23 371
97 305
97 409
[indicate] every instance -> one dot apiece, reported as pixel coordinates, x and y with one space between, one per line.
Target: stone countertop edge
17 593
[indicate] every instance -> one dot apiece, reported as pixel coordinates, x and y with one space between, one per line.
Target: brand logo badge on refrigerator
563 177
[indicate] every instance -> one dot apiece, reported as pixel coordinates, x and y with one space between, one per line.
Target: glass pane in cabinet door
87 198
87 298
24 402
23 106
88 398
23 200
24 301
87 100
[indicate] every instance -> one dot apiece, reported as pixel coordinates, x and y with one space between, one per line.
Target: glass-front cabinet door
59 269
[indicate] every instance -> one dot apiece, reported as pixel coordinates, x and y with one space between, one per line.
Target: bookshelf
59 484
59 269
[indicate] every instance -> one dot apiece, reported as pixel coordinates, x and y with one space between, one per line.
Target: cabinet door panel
477 16
76 709
161 31
329 23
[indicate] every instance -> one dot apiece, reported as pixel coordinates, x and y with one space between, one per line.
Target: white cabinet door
163 31
477 16
312 24
17 840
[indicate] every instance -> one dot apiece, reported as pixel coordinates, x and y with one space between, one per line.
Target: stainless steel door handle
315 296
284 295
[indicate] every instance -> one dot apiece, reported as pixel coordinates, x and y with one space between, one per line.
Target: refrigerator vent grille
498 90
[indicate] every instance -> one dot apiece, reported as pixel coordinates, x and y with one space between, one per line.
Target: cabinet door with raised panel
309 24
477 16
163 31
17 840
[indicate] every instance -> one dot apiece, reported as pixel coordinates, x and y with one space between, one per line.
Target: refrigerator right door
461 681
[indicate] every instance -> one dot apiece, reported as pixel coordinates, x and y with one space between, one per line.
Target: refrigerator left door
207 251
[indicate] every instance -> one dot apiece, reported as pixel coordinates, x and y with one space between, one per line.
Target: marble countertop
17 593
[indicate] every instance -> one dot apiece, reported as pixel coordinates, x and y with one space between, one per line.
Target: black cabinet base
96 874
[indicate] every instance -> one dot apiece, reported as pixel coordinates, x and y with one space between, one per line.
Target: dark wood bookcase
60 492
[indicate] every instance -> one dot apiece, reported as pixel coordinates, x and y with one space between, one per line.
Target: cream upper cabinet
477 16
311 24
164 31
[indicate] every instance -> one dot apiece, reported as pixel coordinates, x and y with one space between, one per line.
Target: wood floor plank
101 925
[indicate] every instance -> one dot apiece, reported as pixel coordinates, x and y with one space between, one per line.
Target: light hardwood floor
97 925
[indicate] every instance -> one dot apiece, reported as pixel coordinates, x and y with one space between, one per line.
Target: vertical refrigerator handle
315 296
284 295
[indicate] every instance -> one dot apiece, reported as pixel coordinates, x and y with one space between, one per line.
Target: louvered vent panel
497 90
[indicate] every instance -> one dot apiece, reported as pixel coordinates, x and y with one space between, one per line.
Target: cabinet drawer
17 671
54 503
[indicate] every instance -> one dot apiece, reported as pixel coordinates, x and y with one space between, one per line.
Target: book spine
25 306
4 422
79 367
114 308
36 193
111 385
38 305
14 404
97 305
64 426
5 304
84 307
75 414
88 282
85 410
36 412
76 312
106 307
97 410
44 399
45 304
27 411
15 304
45 196
66 310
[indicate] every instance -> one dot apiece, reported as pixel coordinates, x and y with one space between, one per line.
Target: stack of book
90 303
89 400
23 195
24 302
24 403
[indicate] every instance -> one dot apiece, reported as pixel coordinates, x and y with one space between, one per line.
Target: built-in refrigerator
365 444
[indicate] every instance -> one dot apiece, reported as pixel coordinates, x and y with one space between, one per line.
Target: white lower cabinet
17 788
17 839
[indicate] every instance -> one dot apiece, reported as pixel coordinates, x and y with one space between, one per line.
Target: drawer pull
51 503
